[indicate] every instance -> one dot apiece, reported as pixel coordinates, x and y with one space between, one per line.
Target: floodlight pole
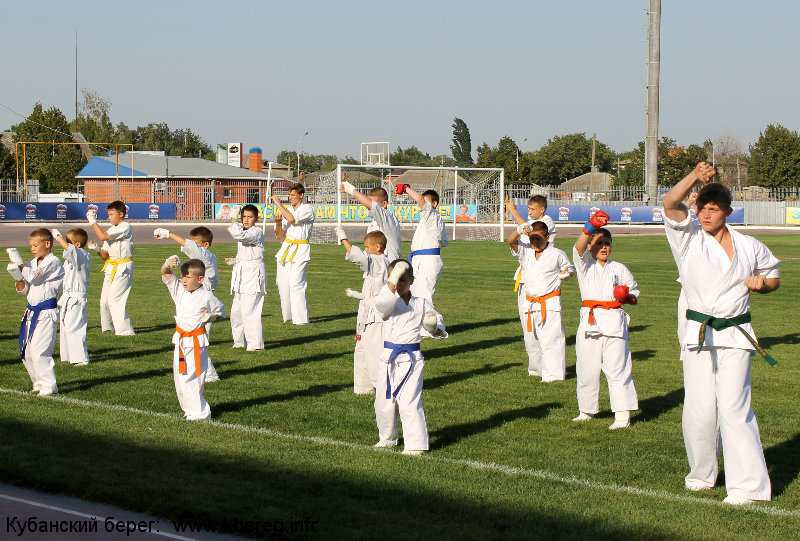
653 76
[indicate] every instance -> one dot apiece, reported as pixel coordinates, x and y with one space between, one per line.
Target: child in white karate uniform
73 303
383 219
601 343
39 279
544 267
117 254
198 246
248 281
369 324
195 305
293 226
406 319
425 255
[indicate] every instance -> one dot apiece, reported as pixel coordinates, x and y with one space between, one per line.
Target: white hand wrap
340 234
91 217
170 263
430 321
399 269
14 257
55 232
161 233
349 189
14 271
353 294
230 261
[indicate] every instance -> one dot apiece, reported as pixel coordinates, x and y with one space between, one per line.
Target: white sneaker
737 500
583 417
618 425
696 486
382 444
84 363
212 379
413 452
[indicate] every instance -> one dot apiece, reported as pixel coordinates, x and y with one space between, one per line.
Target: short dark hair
42 234
714 193
79 234
541 227
604 233
297 187
193 265
434 195
409 273
376 236
539 200
203 233
379 192
250 208
119 206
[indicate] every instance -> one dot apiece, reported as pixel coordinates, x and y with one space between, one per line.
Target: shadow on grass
783 461
311 338
643 354
281 365
791 339
470 347
172 479
450 435
333 317
314 390
83 385
447 379
461 327
637 328
654 407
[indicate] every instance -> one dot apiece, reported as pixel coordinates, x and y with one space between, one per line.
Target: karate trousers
717 383
114 301
38 359
597 353
408 404
367 358
190 387
246 321
291 281
427 269
73 320
544 344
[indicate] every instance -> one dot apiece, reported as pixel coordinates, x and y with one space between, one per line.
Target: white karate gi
117 281
248 286
369 323
716 374
189 309
603 346
401 379
210 282
73 306
43 280
384 220
544 342
429 235
292 262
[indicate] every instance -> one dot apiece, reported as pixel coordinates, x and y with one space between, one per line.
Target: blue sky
265 72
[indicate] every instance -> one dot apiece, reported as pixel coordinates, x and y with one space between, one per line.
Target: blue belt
33 312
397 350
426 251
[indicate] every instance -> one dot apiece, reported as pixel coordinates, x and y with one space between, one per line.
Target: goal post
471 201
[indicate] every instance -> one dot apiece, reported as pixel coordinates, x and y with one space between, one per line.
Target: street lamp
300 149
524 140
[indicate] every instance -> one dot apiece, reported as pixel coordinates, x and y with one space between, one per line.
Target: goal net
470 199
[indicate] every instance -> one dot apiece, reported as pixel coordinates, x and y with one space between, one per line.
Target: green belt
720 323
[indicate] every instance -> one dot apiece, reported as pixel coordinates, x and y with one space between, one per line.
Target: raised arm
511 208
587 237
414 194
282 210
673 200
350 190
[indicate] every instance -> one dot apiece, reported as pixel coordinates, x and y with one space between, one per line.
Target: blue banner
618 215
58 212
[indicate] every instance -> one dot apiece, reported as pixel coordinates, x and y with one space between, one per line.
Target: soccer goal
470 199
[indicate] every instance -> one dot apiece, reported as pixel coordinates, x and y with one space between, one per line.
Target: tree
8 168
775 158
411 156
674 162
55 166
503 155
567 156
462 143
94 121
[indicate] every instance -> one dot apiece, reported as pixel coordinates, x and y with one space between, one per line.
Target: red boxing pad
400 189
599 219
621 293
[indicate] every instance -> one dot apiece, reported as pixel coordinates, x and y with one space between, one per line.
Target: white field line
75 513
510 471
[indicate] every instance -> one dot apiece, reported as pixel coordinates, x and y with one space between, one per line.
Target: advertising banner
59 212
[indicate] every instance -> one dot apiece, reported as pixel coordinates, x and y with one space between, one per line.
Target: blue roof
99 167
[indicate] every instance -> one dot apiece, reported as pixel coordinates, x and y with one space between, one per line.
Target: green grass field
289 440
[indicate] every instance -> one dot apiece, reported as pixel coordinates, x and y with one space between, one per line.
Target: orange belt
198 359
605 305
543 303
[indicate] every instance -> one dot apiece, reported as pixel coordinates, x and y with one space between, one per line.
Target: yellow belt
517 279
292 243
114 263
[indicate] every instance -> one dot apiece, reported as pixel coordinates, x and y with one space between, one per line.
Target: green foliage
503 155
775 157
8 167
55 166
567 156
462 143
674 163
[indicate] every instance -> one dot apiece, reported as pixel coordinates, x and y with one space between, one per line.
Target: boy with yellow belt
293 225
